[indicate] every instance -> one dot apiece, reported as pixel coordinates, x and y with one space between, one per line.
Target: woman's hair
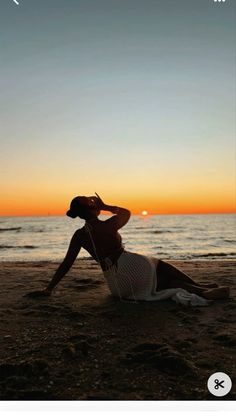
77 209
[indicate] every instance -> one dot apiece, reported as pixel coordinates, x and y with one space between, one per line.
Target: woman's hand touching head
100 204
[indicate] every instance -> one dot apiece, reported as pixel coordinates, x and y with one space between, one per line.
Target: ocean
183 237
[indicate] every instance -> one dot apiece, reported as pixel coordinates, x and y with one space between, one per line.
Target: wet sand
82 344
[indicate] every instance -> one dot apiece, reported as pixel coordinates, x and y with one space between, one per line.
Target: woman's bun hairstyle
71 214
77 209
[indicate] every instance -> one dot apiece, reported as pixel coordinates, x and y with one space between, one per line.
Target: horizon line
132 214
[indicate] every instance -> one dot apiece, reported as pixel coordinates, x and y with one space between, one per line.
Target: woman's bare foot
216 293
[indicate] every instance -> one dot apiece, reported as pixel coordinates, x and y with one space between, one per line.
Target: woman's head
83 207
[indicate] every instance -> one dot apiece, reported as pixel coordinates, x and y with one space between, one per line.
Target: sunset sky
132 99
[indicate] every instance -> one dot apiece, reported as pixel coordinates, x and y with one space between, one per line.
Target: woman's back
101 239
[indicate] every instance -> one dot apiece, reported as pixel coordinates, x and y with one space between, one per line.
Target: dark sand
81 344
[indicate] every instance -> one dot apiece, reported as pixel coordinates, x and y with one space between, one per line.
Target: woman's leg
171 272
170 277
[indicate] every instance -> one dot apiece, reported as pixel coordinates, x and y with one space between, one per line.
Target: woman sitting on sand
129 275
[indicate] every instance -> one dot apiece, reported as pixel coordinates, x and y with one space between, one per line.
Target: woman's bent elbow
127 215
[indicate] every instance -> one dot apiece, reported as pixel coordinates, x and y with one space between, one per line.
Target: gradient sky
132 99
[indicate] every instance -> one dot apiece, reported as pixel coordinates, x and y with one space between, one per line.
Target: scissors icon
218 384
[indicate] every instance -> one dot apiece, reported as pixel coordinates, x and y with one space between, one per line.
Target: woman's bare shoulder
79 234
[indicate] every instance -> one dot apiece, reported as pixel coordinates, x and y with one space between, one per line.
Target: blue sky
124 97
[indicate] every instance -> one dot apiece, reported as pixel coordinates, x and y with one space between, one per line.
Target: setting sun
144 212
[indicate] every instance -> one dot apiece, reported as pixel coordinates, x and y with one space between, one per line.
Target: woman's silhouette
129 275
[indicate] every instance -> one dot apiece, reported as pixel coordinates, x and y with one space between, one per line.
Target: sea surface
202 237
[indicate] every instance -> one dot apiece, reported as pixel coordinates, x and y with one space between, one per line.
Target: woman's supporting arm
59 274
73 250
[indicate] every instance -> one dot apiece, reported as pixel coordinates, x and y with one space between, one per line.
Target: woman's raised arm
120 219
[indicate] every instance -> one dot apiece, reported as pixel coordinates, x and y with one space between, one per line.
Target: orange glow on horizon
43 201
172 207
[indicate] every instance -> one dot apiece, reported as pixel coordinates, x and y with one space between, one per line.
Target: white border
184 405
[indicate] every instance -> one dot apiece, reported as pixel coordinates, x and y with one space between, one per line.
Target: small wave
160 231
229 241
36 231
11 229
19 247
154 231
206 255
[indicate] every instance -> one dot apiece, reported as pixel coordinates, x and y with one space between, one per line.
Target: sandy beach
82 344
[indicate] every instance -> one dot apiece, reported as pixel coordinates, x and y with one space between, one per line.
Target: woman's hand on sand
38 294
100 203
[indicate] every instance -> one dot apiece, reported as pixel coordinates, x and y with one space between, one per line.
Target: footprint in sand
160 356
86 284
38 309
79 346
71 314
24 369
46 310
226 340
17 380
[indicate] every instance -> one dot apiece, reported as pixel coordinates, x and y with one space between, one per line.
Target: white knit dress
134 277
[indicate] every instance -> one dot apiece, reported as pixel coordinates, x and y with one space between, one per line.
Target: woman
129 275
